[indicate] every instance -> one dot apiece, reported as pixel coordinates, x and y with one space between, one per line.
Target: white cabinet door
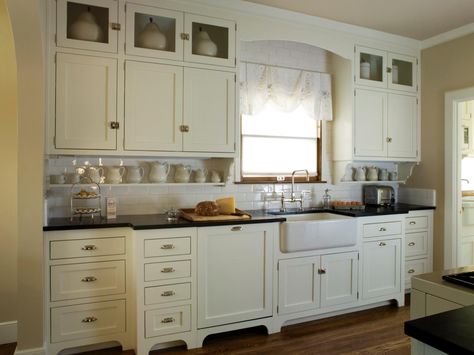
86 102
370 67
401 72
153 106
338 279
370 122
202 32
209 109
381 268
234 273
298 284
402 126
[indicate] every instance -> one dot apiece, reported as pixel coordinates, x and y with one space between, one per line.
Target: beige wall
26 18
8 176
446 67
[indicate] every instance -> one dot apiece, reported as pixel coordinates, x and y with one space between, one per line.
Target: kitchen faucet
293 195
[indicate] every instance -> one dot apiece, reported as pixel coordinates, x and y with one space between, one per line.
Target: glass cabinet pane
155 32
210 40
402 72
371 67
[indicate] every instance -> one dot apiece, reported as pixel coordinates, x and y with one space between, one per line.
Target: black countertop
157 221
451 332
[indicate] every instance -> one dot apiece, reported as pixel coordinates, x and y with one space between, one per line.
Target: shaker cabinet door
86 102
153 106
209 109
402 126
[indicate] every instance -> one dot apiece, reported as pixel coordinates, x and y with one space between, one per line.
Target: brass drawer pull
168 320
168 293
89 279
382 229
167 246
167 270
382 244
89 319
411 244
411 271
412 223
89 247
236 229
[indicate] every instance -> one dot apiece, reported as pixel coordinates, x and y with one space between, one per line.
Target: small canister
364 70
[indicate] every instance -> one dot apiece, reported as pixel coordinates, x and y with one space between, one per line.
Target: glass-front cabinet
167 34
383 69
88 24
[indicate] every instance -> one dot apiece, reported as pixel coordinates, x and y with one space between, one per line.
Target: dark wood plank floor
375 331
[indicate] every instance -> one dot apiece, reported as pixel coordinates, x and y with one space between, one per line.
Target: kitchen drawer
167 293
167 270
166 247
415 267
167 321
416 243
382 229
412 223
87 320
79 248
87 280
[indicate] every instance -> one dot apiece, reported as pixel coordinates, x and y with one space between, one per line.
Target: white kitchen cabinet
153 106
385 126
164 114
209 110
382 69
312 282
86 102
381 270
88 24
234 273
182 34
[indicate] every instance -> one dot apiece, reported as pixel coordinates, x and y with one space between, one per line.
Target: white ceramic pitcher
134 174
182 173
158 172
114 174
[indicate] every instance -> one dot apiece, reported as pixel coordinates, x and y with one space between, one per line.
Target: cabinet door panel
381 268
402 126
372 72
234 274
339 280
86 102
298 285
153 106
402 74
370 124
209 110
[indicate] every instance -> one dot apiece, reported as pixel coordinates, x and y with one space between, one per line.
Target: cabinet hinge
236 27
55 38
235 61
417 101
354 78
235 77
357 294
354 90
417 88
125 7
278 309
358 256
354 49
416 61
354 150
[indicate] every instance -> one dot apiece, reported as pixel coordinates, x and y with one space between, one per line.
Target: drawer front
412 223
167 321
87 280
87 320
80 248
415 267
165 247
167 270
167 293
381 229
416 243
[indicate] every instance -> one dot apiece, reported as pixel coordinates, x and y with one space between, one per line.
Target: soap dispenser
326 199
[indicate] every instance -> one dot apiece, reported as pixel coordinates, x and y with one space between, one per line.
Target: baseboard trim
35 351
8 332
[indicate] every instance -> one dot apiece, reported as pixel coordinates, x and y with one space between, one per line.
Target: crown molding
448 36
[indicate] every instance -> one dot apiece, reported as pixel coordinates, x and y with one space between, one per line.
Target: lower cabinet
309 283
234 273
381 269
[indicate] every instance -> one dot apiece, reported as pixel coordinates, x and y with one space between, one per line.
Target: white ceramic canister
364 70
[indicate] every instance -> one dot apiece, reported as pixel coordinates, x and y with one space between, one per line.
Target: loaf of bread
207 208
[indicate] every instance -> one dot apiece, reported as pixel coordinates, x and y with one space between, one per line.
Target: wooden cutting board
188 213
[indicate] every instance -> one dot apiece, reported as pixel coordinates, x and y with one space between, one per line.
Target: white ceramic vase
85 28
151 37
203 45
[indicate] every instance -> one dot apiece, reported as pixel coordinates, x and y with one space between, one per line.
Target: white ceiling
417 19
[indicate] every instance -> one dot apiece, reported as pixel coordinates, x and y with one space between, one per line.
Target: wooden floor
375 331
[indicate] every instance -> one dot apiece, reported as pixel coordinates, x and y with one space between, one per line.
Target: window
274 143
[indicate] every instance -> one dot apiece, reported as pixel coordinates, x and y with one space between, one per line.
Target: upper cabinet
88 24
169 34
384 69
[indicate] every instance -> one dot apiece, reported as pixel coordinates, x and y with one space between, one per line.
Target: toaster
379 195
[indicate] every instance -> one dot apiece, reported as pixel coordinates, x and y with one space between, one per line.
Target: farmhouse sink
313 231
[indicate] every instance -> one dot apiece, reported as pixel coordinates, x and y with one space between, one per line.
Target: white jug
114 174
182 173
134 174
215 177
94 174
383 175
372 174
158 172
200 175
360 174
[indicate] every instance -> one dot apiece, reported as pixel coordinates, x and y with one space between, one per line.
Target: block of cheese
226 205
